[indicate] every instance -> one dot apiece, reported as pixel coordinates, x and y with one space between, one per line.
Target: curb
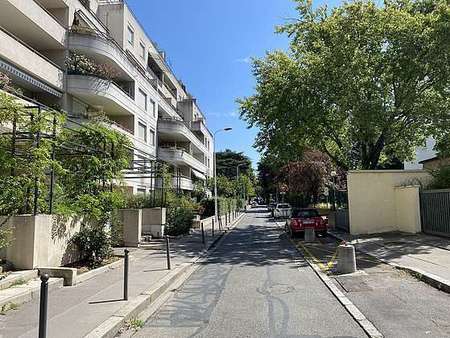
111 326
93 273
426 277
356 314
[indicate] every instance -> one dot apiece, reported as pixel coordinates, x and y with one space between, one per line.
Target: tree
361 83
227 162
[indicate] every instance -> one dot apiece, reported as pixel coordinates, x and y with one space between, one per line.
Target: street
254 285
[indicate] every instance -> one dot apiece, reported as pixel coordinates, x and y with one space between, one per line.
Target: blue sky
209 44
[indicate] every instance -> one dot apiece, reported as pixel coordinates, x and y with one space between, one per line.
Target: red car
306 218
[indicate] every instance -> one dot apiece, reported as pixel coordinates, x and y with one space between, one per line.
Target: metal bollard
168 252
212 228
310 235
125 275
43 306
346 259
203 234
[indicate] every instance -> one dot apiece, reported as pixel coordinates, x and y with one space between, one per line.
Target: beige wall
42 240
376 205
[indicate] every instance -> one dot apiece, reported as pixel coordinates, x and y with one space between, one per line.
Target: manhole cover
353 284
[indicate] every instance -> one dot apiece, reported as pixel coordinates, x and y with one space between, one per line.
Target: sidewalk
428 257
76 311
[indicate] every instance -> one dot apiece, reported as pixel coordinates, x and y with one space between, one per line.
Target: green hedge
224 205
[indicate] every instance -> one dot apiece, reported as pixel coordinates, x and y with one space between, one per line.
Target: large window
142 131
142 99
131 35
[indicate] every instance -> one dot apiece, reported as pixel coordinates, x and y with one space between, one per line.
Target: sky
209 45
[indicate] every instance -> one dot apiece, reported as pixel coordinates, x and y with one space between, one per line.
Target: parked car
306 218
282 210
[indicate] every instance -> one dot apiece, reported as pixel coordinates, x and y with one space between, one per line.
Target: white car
282 210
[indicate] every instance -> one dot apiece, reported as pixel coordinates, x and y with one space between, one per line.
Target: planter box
132 226
42 240
154 222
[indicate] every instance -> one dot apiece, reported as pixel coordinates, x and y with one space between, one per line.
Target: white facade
145 101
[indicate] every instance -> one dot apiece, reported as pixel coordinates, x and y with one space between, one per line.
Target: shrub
94 244
441 178
179 221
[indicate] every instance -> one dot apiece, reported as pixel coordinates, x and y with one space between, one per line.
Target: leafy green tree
361 83
227 162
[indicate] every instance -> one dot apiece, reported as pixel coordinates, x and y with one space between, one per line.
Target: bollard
125 275
43 307
168 252
346 259
203 234
212 229
310 235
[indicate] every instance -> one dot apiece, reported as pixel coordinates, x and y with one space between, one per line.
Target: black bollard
203 234
168 252
212 228
125 275
43 307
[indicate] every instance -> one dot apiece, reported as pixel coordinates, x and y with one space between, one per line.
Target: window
131 35
152 137
153 108
142 50
141 191
142 99
142 131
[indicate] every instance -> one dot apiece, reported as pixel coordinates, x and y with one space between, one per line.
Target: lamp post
216 218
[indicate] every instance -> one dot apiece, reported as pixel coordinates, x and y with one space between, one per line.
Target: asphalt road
254 285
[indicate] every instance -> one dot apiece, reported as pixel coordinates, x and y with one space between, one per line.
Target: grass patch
134 324
18 282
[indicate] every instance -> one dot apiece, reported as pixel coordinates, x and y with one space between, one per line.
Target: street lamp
216 218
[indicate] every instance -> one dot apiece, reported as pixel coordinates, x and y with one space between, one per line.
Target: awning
199 175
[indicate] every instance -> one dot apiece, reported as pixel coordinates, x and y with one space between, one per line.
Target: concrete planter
131 220
42 240
154 222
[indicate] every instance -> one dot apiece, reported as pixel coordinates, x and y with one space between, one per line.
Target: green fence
435 212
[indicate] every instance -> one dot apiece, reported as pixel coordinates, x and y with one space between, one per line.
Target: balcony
102 93
25 58
32 24
181 157
184 183
199 126
102 48
177 130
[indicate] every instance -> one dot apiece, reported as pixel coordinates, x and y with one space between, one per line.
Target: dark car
306 218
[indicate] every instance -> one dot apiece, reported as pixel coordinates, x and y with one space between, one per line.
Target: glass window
308 213
142 51
142 99
153 107
141 191
152 137
131 35
142 131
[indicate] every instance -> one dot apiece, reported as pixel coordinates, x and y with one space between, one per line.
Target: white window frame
152 137
130 34
153 106
143 124
142 50
145 96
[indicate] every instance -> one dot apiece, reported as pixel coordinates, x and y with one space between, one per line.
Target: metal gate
342 220
435 212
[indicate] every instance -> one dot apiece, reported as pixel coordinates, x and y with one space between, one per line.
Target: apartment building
134 87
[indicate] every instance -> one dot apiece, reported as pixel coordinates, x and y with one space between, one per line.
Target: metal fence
342 220
435 212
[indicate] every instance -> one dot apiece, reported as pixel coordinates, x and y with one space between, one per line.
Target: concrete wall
42 240
376 204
